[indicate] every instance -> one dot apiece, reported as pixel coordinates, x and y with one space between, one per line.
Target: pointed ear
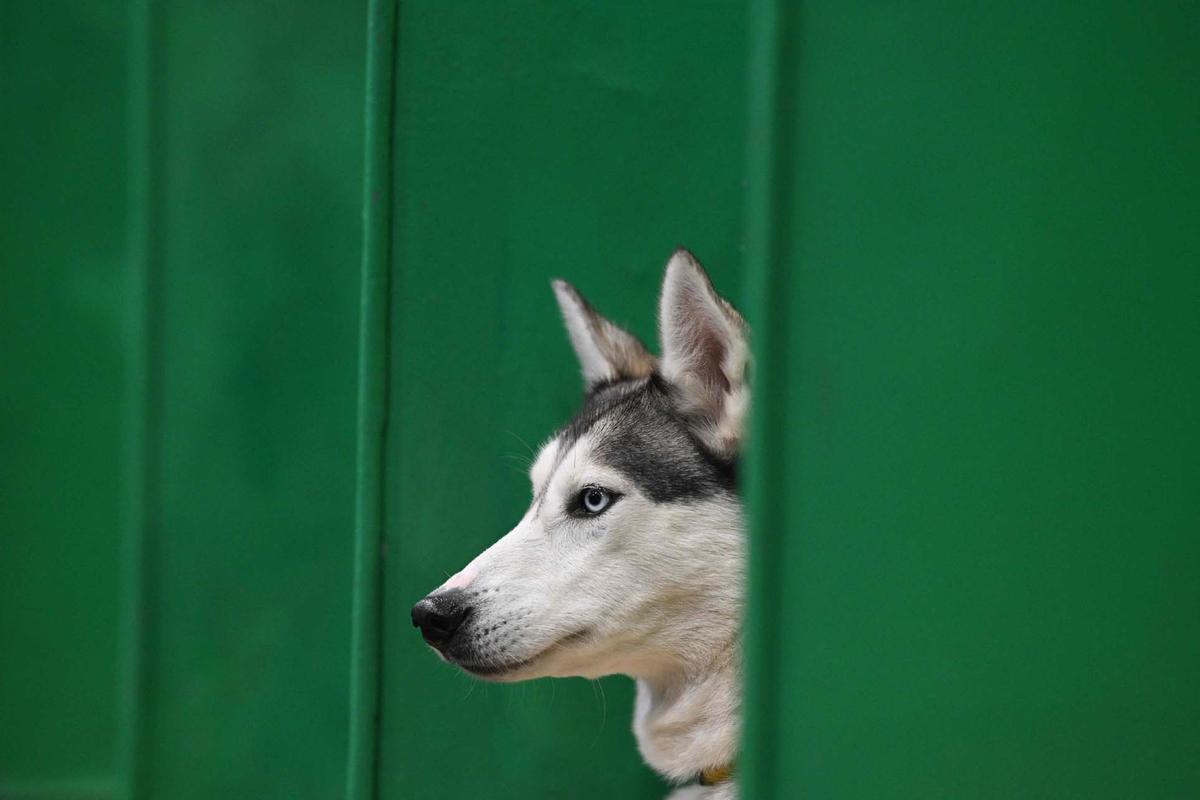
606 352
704 354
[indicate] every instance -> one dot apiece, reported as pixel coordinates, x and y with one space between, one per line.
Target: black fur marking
640 432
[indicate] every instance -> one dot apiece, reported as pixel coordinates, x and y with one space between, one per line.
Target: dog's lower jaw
691 721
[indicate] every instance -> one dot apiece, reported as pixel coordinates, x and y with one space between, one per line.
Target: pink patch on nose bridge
459 580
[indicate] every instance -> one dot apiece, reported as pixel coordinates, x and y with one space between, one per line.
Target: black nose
439 616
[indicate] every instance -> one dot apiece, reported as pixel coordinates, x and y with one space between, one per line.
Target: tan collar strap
714 775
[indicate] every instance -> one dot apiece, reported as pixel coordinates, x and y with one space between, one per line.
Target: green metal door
179 289
976 246
62 278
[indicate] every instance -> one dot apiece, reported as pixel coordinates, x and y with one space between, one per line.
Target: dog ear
606 352
704 354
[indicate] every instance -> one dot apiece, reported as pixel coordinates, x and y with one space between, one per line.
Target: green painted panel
249 561
532 140
983 501
62 301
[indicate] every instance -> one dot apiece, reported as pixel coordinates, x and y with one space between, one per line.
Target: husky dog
630 557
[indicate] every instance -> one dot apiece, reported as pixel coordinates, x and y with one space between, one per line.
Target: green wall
278 337
976 537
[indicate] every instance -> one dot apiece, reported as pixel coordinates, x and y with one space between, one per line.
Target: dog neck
688 719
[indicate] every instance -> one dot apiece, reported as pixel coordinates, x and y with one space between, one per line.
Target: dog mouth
497 670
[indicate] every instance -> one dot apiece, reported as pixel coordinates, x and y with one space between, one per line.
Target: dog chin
498 673
506 672
539 665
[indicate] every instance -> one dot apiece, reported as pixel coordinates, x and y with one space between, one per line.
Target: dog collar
715 775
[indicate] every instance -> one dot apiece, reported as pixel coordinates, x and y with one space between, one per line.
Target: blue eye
594 500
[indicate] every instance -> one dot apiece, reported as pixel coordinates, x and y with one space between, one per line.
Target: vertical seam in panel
367 618
142 425
768 163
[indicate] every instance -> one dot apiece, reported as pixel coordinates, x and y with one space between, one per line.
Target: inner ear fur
704 353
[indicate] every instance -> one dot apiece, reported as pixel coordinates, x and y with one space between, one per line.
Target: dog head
630 556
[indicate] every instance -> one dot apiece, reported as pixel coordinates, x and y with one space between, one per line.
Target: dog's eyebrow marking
560 454
601 400
543 469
